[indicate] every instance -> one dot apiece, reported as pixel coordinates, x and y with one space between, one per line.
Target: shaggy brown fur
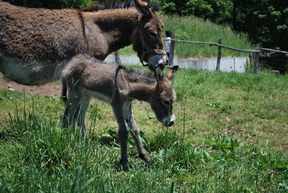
35 44
84 77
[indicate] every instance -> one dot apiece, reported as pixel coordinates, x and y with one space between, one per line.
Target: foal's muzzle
168 122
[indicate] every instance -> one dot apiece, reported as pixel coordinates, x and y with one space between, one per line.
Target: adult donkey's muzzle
158 61
156 64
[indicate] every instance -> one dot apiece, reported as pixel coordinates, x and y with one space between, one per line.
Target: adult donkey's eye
153 35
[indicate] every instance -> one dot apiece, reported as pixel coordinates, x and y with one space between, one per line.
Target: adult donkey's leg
135 133
122 134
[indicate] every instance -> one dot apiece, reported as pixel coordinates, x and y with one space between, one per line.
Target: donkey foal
85 77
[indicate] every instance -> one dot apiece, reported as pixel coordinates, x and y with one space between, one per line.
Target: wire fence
276 60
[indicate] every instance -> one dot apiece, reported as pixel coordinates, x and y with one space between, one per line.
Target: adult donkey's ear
172 72
142 6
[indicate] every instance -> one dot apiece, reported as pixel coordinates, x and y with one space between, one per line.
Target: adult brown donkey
35 44
85 77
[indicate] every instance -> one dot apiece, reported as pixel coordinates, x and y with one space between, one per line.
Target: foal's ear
142 6
172 72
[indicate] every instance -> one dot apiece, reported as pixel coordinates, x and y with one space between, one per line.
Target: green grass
230 136
190 28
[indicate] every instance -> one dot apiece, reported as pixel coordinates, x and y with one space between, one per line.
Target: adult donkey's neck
115 29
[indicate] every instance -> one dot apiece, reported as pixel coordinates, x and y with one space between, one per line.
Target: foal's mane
137 75
123 4
132 74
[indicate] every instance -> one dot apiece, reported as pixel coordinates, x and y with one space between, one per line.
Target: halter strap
145 48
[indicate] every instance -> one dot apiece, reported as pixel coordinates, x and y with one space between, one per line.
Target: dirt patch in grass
49 89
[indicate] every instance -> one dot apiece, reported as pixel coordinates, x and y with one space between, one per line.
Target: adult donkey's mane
108 5
116 5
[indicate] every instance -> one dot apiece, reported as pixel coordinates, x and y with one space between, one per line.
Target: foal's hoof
126 169
150 162
124 165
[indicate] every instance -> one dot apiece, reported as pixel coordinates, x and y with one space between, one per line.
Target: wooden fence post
117 57
171 56
219 55
256 60
250 56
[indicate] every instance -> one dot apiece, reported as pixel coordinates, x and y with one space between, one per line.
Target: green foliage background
265 21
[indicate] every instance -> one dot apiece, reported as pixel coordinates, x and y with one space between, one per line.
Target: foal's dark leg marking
122 132
123 138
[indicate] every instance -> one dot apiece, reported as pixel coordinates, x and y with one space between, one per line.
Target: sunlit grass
230 135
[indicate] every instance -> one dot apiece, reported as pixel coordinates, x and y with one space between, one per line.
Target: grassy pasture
230 136
190 28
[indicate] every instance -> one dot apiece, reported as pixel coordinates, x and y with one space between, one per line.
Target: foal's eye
167 103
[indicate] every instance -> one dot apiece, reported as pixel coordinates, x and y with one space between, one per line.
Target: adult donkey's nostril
171 123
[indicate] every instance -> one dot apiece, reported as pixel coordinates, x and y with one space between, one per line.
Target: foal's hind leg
72 106
70 114
122 134
82 112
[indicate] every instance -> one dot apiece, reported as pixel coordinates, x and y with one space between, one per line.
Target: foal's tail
64 91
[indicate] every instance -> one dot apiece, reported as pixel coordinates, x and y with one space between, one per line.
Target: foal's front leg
135 133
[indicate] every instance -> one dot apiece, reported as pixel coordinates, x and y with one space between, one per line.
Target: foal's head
147 37
162 99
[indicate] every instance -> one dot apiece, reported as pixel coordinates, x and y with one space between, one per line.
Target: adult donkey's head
147 38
